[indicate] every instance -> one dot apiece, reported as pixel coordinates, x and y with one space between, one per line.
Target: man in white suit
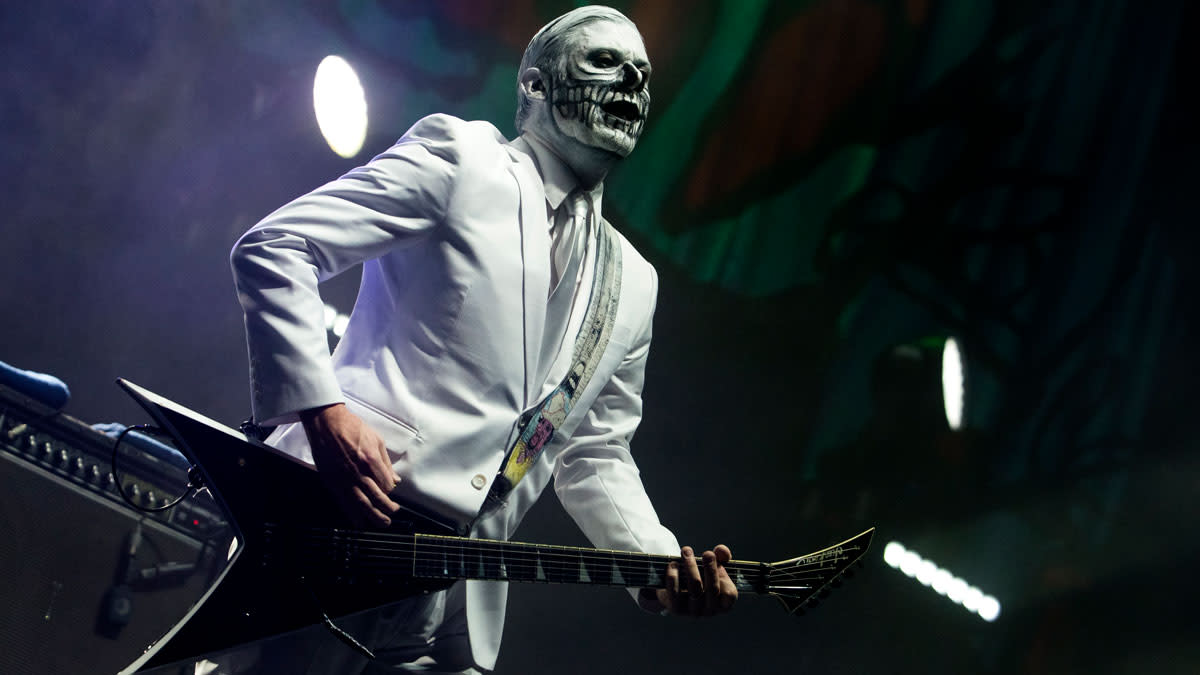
482 260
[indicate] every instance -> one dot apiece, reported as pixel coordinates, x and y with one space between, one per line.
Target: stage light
339 325
989 608
953 383
893 554
943 582
335 321
341 106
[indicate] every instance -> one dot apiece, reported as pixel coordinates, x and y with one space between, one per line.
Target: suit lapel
535 259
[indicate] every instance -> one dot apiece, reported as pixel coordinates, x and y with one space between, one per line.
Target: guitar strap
537 425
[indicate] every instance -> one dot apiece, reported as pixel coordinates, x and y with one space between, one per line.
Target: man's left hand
698 587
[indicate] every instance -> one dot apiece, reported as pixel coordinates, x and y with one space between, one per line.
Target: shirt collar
557 177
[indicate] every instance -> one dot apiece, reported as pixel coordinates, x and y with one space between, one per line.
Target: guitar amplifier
87 581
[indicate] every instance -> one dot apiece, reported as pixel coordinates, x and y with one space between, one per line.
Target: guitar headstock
801 582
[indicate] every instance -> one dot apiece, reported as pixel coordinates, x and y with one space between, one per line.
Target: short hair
547 46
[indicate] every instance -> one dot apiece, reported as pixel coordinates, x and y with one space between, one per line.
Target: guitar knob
17 430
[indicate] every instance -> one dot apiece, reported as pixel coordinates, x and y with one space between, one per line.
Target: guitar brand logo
830 555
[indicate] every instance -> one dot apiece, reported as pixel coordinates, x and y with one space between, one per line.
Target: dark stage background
828 189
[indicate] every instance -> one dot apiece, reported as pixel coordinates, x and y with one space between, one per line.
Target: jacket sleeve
395 200
595 475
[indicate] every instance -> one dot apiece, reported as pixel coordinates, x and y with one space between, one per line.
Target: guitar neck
381 555
460 558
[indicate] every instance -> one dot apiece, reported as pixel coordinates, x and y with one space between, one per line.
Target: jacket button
478 481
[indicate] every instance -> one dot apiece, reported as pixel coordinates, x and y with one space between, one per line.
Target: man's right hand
353 463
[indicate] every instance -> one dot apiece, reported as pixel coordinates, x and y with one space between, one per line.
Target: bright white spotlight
989 608
336 322
893 553
941 581
926 572
972 598
340 325
340 105
956 589
953 383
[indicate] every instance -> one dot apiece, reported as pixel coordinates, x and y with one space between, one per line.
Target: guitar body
273 584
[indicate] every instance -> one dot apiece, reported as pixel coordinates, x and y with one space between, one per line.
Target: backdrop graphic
828 188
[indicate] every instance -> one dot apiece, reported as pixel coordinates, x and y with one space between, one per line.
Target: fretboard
367 554
459 558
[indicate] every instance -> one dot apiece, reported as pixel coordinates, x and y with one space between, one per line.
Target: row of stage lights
941 581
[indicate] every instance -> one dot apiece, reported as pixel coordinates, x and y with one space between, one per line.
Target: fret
491 565
461 559
654 576
559 564
597 569
425 559
514 565
634 573
614 572
746 577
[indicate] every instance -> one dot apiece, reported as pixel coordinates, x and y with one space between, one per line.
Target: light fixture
340 105
942 581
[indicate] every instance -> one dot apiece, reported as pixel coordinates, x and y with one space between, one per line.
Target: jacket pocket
398 435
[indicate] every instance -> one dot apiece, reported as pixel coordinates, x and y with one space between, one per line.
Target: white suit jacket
442 350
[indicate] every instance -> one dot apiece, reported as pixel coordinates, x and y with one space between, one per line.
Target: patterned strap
537 426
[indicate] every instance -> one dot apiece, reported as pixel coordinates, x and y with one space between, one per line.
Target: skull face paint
599 93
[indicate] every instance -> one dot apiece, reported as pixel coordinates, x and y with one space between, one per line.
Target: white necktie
564 238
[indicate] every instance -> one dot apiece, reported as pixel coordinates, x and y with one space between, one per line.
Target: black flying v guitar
298 560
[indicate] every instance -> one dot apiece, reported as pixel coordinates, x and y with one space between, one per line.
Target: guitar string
518 562
548 555
431 543
518 574
512 570
516 553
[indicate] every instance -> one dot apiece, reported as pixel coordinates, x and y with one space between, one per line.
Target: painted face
600 95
